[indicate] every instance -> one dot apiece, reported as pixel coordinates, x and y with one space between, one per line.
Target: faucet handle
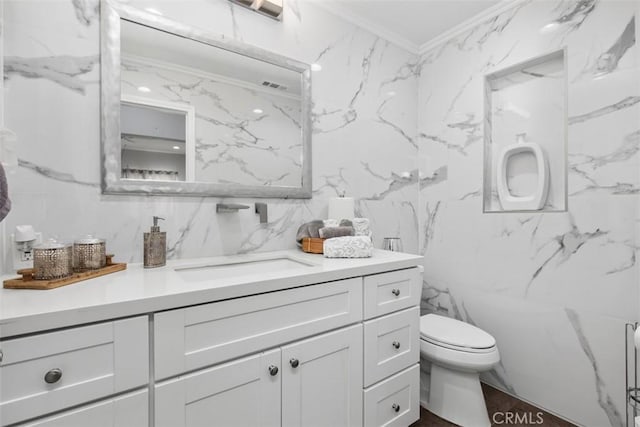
261 209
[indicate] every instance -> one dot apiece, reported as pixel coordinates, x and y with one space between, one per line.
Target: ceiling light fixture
144 89
316 67
176 147
258 111
271 8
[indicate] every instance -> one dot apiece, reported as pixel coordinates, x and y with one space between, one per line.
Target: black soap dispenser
155 246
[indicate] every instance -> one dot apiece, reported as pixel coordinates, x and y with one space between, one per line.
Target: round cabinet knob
273 370
53 376
396 292
294 363
396 345
395 407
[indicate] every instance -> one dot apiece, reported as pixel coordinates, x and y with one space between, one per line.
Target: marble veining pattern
554 289
359 109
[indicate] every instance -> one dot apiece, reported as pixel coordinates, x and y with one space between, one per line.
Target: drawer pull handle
395 407
53 376
396 292
294 363
396 345
273 370
1 356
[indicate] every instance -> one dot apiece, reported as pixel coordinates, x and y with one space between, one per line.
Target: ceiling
410 23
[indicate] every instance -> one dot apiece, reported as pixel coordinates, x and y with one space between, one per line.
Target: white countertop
139 291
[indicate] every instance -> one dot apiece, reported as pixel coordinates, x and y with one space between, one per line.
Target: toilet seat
457 348
454 334
538 198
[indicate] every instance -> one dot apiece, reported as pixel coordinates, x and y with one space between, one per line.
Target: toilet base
457 397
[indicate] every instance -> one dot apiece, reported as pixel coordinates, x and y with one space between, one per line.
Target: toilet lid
454 332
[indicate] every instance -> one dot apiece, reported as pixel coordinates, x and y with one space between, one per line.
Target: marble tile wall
363 138
555 289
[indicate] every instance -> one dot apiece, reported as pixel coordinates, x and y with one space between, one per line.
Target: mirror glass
198 116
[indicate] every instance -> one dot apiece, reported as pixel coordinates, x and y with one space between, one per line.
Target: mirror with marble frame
185 112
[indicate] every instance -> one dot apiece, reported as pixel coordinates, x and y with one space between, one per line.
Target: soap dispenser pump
155 246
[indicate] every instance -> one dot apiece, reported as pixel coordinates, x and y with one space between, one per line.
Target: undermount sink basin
240 268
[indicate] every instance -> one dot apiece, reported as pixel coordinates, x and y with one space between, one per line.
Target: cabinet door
322 380
128 410
244 392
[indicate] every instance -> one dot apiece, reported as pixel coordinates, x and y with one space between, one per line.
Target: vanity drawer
195 337
394 401
51 371
388 292
391 343
128 410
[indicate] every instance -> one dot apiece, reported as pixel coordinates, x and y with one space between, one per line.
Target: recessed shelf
526 136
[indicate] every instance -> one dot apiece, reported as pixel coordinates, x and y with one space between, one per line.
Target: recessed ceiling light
316 67
176 147
257 111
154 11
144 89
391 94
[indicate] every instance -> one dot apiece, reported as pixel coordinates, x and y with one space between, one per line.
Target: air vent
274 85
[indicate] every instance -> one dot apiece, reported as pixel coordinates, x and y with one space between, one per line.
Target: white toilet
458 353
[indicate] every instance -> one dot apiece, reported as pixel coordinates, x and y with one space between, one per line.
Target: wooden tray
28 282
313 245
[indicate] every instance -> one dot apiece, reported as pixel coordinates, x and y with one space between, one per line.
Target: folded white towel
348 247
5 203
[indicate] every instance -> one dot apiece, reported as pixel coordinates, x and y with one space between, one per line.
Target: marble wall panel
555 289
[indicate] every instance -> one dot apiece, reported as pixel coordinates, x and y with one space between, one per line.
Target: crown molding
368 25
468 24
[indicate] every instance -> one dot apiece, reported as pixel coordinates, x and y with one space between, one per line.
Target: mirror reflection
198 113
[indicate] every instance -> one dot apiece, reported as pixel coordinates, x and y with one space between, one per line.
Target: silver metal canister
89 253
52 260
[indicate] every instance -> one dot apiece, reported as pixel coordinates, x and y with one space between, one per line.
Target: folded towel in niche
5 203
331 232
348 247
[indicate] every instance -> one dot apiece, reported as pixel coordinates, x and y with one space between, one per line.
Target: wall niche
525 141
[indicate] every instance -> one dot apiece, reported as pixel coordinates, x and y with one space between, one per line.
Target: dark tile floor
498 401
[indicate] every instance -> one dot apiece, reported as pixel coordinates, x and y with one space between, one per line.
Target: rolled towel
348 247
5 203
309 229
331 232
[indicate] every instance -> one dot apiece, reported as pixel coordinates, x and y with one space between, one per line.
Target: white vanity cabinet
333 347
322 380
316 381
243 392
129 410
392 348
48 372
